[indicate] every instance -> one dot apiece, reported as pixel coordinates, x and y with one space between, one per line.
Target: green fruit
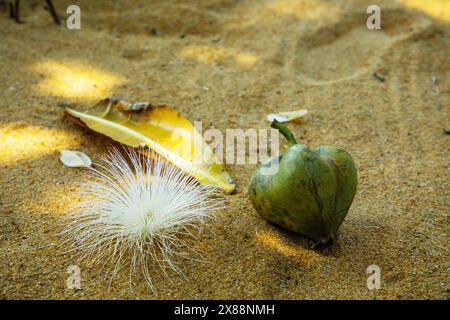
310 193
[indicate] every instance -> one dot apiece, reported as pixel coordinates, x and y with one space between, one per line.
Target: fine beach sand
229 63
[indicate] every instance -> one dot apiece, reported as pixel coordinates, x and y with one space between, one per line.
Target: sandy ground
229 63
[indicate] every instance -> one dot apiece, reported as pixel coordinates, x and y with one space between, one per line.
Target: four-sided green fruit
309 193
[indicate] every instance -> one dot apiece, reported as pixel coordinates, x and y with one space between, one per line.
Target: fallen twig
53 11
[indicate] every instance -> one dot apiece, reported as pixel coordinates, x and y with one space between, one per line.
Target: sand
229 63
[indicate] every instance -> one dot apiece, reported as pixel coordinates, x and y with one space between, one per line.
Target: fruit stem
284 131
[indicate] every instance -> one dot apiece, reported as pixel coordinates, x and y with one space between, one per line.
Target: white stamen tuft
137 214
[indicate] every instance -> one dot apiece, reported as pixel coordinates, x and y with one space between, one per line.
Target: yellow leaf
163 130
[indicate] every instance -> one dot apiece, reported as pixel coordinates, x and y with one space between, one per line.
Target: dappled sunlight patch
438 9
208 54
287 247
73 79
270 13
21 142
311 9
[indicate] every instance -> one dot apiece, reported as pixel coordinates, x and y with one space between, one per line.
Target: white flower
137 214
